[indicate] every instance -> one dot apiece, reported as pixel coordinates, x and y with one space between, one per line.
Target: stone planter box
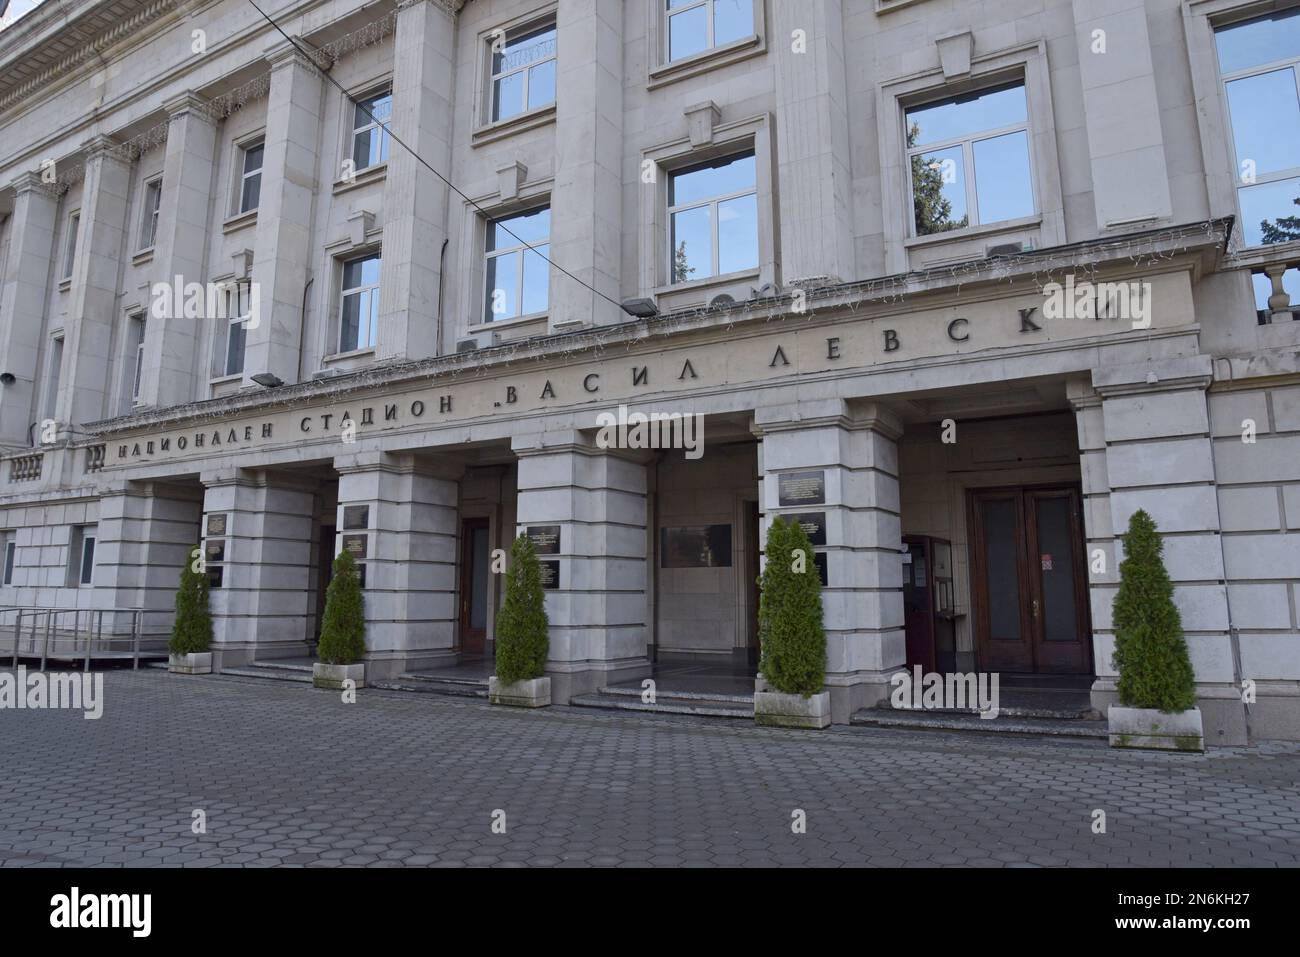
1148 728
197 663
333 676
776 710
532 693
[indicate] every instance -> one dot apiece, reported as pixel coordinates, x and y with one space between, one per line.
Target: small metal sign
802 488
546 539
823 569
813 523
356 516
216 551
217 524
550 574
355 545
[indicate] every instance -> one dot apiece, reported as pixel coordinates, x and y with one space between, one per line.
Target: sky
16 9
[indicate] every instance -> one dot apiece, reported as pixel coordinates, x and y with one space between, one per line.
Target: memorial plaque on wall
814 525
695 546
550 574
361 575
802 488
216 576
356 516
216 525
546 539
823 570
216 552
355 545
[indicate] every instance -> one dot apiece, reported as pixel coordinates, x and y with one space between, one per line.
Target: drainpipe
302 323
437 323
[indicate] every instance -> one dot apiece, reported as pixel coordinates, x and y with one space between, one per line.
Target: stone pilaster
22 304
812 141
265 605
587 199
598 611
173 344
854 454
415 200
411 556
92 308
281 259
1145 439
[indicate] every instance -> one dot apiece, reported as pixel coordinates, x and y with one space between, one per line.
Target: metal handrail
50 626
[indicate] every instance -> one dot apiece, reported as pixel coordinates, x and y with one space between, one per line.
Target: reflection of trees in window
1282 230
682 267
933 210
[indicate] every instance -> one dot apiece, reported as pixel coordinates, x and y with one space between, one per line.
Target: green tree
522 629
343 628
1150 651
682 267
1283 229
932 209
792 639
192 628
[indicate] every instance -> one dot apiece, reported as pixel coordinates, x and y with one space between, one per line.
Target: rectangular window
523 72
694 26
369 138
969 160
149 214
359 309
81 556
70 244
11 551
517 272
232 334
52 373
1259 61
713 219
135 329
250 180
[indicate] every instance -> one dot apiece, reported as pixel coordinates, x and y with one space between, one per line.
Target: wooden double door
1029 580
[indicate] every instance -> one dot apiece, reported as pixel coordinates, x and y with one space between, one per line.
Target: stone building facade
961 285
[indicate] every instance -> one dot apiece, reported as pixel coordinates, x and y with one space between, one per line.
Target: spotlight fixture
268 380
6 378
640 308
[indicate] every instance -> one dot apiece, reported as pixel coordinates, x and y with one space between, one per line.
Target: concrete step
969 722
273 671
708 706
455 685
677 694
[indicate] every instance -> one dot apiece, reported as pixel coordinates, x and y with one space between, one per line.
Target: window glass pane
939 191
738 234
1003 186
525 49
370 271
253 158
1060 617
1269 212
1002 576
966 115
349 335
235 348
688 32
87 560
537 278
508 96
502 287
1266 120
692 245
10 549
533 228
726 176
1257 42
541 85
252 193
369 319
732 20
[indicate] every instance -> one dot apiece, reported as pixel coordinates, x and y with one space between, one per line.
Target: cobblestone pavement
289 775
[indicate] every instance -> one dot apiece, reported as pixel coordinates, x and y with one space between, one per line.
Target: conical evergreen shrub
522 629
1150 651
793 641
192 628
343 627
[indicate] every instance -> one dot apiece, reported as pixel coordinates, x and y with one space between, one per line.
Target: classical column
830 458
597 606
92 308
587 199
282 257
22 303
145 535
415 200
812 141
173 344
258 536
398 517
1145 437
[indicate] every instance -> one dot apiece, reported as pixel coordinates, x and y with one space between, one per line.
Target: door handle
1034 604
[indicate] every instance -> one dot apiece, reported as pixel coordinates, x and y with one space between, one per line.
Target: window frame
136 325
485 318
351 102
712 203
81 553
70 243
229 321
243 175
345 291
661 71
967 146
53 376
532 26
8 558
149 217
